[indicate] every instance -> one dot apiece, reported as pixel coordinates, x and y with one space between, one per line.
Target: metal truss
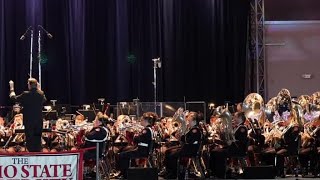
257 45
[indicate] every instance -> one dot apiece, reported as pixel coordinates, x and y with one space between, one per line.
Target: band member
32 103
143 143
2 123
16 109
219 155
256 145
98 132
2 131
79 120
190 143
290 145
310 143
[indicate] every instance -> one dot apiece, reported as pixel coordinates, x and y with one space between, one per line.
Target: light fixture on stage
101 101
169 107
48 108
86 107
53 101
211 105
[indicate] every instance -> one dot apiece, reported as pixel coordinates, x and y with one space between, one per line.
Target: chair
148 158
196 160
102 167
238 155
292 158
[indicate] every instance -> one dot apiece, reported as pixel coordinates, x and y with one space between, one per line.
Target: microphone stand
31 51
39 49
156 65
39 56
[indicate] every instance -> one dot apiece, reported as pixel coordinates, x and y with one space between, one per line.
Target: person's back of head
32 83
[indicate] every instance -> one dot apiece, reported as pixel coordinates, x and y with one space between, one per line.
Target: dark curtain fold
105 49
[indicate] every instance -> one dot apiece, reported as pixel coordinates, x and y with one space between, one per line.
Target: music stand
63 109
89 114
50 115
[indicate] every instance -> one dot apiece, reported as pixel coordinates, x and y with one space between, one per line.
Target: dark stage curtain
104 48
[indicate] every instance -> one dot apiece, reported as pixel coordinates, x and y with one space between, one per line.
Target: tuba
315 105
315 101
179 122
304 101
284 104
297 112
253 107
270 108
226 129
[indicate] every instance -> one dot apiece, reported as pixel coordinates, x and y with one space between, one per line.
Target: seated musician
189 147
16 109
310 147
2 123
79 120
256 145
2 131
5 133
143 143
98 132
16 144
289 146
228 148
18 122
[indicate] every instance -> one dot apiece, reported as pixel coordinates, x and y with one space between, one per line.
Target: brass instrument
297 112
179 122
284 104
226 129
270 109
306 135
62 124
315 101
253 107
305 101
309 133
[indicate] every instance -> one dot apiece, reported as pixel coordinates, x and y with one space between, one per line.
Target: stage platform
288 177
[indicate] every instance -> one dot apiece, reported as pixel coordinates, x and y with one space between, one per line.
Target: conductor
32 103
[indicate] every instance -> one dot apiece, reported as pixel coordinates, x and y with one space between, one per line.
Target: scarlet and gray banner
43 166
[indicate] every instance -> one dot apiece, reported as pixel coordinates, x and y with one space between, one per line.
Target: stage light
211 105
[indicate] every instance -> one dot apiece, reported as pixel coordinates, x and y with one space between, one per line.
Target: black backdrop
202 45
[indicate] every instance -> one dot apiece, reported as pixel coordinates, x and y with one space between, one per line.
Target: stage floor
290 177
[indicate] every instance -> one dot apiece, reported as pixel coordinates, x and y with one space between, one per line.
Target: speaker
137 173
259 172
